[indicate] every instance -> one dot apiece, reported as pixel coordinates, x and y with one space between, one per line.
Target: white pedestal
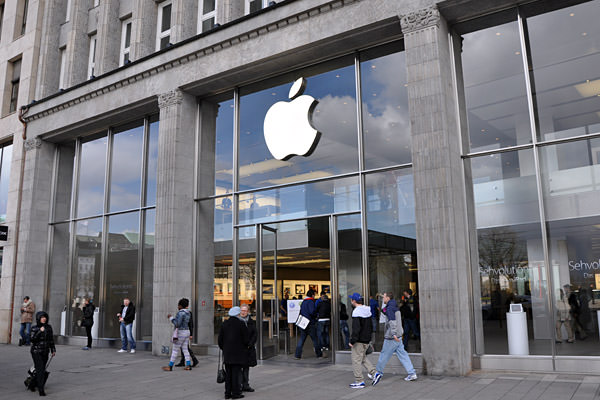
518 339
63 322
96 323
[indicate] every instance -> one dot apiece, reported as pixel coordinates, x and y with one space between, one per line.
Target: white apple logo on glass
288 125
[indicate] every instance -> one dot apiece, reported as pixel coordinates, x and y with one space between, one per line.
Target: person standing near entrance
308 310
88 321
233 341
410 312
42 343
27 310
323 321
392 341
252 336
344 329
126 318
359 340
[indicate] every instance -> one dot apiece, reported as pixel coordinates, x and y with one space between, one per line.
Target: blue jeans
345 331
390 347
26 332
323 333
410 325
311 330
127 336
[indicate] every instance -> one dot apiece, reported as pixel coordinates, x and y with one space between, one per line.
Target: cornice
171 98
420 19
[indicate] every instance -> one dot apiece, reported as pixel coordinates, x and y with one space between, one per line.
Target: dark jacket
343 312
88 315
234 340
252 337
308 309
42 342
324 309
361 325
129 315
410 308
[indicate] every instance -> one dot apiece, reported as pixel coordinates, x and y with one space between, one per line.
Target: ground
104 374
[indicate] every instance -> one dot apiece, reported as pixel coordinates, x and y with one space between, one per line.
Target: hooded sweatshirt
42 342
361 325
393 325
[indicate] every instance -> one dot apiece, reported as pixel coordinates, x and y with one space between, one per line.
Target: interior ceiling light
299 177
258 168
588 88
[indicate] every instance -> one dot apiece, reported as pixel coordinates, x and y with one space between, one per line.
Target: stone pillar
108 44
78 46
174 202
143 29
184 20
440 197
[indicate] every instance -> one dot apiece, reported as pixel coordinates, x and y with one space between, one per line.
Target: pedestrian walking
181 335
27 311
308 310
234 341
88 321
323 321
410 317
42 343
392 341
195 361
252 336
362 330
126 318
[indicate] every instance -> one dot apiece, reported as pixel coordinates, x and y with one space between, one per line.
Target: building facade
249 151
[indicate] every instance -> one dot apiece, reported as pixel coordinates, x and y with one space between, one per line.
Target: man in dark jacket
234 341
410 313
252 337
323 320
126 317
308 310
359 340
88 321
42 343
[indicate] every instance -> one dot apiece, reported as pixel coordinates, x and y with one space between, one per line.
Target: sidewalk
104 374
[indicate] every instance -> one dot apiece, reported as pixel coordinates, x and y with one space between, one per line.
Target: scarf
244 319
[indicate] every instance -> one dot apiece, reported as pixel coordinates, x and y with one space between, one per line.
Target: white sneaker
122 351
370 376
411 377
132 351
357 385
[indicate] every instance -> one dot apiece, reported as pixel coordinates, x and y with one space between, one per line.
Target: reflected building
457 158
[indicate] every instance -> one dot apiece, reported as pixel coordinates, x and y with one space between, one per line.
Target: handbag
175 337
221 374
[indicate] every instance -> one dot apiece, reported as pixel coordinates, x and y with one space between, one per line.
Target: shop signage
3 233
288 129
583 266
293 310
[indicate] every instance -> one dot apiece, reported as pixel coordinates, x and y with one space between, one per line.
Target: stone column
174 202
442 233
143 29
184 20
108 44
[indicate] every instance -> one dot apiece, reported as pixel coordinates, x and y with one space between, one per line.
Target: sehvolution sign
584 266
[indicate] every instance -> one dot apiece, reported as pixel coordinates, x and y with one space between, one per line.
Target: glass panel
85 276
511 259
334 117
392 240
495 91
350 272
121 268
224 148
255 5
58 273
269 318
64 181
127 35
90 199
386 124
208 6
164 42
166 18
571 181
565 56
126 168
152 162
208 24
329 197
247 268
5 179
145 305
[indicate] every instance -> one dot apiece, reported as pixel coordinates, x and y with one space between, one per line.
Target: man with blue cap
234 341
360 339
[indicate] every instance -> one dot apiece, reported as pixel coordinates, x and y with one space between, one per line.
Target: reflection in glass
64 181
126 168
145 306
121 267
4 179
565 57
334 117
495 91
393 247
511 258
349 272
224 148
327 197
58 270
152 164
90 200
85 274
386 123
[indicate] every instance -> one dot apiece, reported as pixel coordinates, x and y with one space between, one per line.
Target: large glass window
126 168
90 196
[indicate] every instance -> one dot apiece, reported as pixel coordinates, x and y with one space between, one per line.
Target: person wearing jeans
308 310
324 321
126 318
181 335
27 310
344 329
392 343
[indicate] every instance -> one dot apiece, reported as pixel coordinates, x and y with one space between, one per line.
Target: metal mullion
140 261
364 235
298 219
284 185
498 151
145 158
46 296
333 277
359 121
105 227
195 219
538 180
569 139
107 171
258 274
73 230
235 184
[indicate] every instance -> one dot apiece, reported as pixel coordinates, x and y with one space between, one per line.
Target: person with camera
88 321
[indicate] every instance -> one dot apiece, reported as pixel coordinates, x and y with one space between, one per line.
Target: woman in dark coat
234 341
252 336
88 321
42 343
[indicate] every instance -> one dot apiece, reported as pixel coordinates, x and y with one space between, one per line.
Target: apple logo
288 125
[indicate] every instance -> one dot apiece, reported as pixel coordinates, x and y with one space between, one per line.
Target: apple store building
446 152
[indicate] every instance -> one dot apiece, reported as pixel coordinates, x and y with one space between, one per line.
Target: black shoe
237 396
227 396
41 392
247 389
195 362
180 364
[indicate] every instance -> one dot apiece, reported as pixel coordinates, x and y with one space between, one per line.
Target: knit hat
234 311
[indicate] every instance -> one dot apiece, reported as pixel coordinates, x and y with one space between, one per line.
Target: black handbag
221 374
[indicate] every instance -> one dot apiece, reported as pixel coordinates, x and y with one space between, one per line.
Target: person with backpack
362 330
42 343
88 321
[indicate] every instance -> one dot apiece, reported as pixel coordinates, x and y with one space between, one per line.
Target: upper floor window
15 68
1 18
21 19
125 42
163 35
255 5
63 67
92 57
207 13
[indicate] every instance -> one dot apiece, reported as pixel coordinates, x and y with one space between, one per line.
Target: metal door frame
260 228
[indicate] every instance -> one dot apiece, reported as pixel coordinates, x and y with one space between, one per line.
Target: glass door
267 299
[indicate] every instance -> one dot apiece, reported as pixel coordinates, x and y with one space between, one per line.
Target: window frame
92 56
125 51
62 67
13 95
205 17
160 34
264 4
24 20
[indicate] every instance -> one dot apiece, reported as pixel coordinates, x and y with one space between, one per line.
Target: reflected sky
91 178
6 154
126 170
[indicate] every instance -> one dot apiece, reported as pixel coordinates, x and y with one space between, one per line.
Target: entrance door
267 299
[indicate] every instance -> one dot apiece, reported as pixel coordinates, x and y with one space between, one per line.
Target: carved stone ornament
420 19
34 143
170 98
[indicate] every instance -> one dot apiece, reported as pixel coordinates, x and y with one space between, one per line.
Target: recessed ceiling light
498 34
572 14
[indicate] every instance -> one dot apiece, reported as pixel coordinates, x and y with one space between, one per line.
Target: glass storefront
108 224
531 84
